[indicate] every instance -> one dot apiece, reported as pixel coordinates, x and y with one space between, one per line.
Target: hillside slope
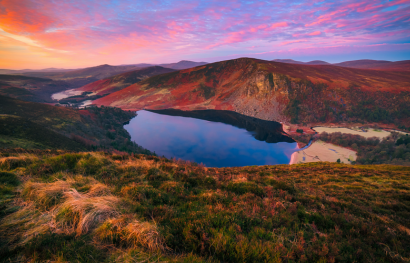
403 65
31 88
120 81
96 73
98 207
275 91
40 126
377 65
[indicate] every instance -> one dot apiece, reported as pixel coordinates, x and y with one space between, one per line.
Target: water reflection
215 138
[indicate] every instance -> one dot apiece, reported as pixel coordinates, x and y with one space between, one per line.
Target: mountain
291 61
377 65
20 71
274 91
120 81
361 64
183 64
94 73
317 62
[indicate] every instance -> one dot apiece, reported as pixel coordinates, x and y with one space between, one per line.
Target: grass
99 207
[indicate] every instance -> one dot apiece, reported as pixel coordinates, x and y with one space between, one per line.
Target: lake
214 138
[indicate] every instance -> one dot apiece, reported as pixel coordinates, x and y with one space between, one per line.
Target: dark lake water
214 138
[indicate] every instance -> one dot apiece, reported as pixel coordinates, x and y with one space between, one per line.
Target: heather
100 207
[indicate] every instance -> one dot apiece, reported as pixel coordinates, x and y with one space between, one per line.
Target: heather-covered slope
275 91
98 207
120 81
377 65
403 65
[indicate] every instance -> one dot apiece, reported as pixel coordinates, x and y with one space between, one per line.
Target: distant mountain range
291 61
361 64
288 90
98 72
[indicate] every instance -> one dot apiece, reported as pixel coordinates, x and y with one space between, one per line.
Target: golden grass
9 163
144 234
80 213
131 233
45 195
25 224
58 207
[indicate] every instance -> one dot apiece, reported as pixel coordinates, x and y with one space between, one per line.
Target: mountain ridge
266 90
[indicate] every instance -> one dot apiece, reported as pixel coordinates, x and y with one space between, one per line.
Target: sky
80 33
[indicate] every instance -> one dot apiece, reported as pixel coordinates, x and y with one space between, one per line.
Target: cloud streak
84 33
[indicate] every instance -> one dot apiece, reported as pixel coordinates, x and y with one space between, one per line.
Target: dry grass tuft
45 195
80 212
144 234
98 189
10 163
23 225
131 233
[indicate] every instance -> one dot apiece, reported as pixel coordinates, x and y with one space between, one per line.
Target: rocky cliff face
273 91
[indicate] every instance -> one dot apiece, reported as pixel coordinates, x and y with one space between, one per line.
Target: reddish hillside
120 81
377 65
274 91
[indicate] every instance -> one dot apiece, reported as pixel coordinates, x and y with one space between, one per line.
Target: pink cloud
316 33
280 24
175 30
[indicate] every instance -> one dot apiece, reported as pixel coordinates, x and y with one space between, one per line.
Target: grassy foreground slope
96 207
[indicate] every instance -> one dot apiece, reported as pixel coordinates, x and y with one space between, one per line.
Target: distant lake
214 138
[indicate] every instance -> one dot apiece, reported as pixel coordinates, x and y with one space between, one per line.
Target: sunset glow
72 34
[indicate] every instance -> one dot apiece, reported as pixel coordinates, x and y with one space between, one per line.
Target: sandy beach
320 151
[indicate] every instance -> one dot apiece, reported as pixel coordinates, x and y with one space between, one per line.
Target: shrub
281 185
145 193
45 195
9 178
245 187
